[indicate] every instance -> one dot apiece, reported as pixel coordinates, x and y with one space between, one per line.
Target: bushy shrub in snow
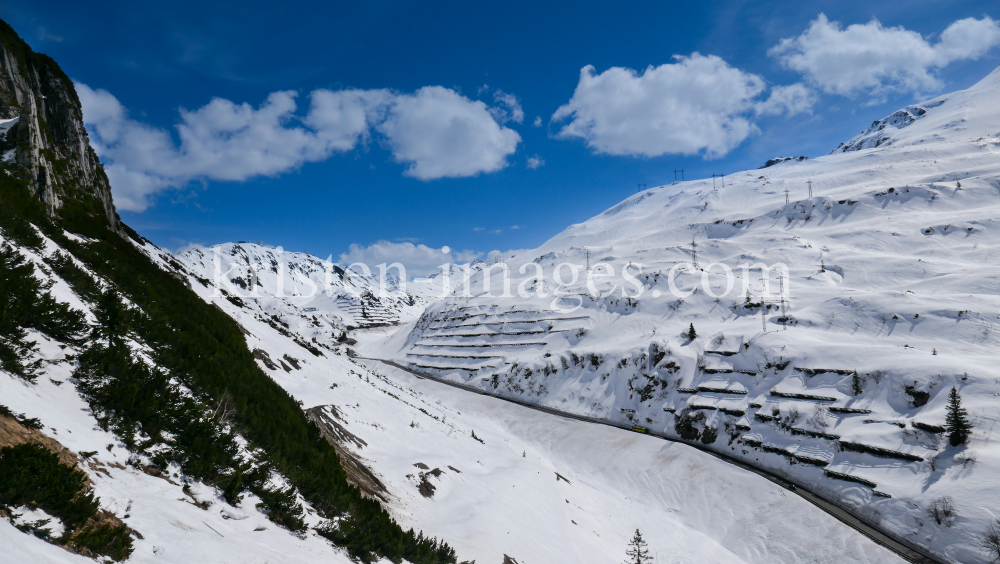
942 510
990 540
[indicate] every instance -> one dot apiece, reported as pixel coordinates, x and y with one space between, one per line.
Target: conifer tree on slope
637 552
957 421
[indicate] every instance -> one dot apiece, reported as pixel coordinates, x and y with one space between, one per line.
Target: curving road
905 549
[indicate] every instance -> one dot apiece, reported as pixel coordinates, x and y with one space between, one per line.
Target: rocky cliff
42 137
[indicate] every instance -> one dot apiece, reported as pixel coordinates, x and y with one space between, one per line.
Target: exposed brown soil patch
13 433
328 419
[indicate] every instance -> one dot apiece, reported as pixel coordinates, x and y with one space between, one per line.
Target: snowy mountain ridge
943 117
876 134
275 279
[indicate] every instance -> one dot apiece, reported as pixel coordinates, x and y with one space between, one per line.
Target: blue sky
414 123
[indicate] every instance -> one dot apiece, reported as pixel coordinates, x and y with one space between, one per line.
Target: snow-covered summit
941 118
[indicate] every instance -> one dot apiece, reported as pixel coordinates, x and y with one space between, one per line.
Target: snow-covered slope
891 301
967 115
318 291
174 518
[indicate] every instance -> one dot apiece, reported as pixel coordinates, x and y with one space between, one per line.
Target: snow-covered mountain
305 287
890 301
961 116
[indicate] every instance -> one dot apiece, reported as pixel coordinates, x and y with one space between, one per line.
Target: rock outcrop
42 137
880 131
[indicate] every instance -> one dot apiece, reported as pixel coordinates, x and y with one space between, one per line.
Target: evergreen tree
26 303
112 318
637 552
691 333
17 286
957 421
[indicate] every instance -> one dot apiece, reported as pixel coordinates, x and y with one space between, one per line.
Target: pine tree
637 552
957 420
691 333
112 318
17 287
25 302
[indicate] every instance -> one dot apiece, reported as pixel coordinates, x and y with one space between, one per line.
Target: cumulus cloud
436 131
873 58
535 162
419 260
537 122
791 99
439 133
698 104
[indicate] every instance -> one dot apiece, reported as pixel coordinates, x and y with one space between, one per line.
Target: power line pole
722 176
641 186
680 171
810 183
694 253
587 252
781 285
787 200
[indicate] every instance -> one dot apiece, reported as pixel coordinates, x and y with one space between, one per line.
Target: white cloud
515 226
535 162
870 57
792 99
538 121
419 260
438 132
508 108
696 104
343 118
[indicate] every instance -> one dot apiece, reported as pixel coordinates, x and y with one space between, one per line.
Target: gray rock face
47 141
